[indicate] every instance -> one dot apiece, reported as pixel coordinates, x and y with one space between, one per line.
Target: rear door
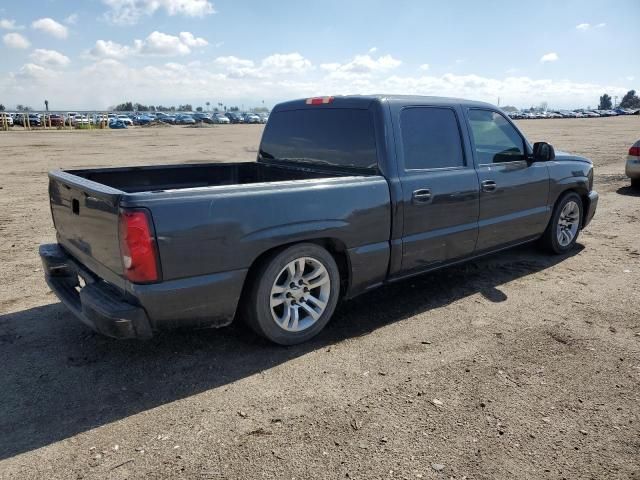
439 185
513 192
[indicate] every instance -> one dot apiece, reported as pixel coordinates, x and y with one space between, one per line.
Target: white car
127 121
632 168
6 116
79 120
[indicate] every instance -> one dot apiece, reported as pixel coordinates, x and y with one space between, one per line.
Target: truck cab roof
364 101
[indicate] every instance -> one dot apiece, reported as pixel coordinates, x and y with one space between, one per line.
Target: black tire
549 239
635 183
255 305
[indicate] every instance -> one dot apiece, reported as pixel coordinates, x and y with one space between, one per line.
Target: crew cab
347 194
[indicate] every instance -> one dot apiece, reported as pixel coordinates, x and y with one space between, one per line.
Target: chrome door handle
422 195
489 186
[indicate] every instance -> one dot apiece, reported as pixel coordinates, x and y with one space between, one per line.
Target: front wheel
635 183
565 224
293 294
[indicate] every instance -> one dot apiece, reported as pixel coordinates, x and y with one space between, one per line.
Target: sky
92 54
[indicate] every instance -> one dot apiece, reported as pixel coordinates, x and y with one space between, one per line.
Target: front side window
430 138
495 139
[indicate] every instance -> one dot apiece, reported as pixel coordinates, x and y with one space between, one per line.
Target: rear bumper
98 305
202 301
632 167
591 207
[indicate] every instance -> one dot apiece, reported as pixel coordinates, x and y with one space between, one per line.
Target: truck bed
173 177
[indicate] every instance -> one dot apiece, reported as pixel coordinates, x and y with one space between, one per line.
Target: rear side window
430 138
337 137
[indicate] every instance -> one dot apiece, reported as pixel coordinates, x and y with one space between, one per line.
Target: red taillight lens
634 151
138 247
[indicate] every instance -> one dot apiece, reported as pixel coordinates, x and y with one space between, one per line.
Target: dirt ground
519 365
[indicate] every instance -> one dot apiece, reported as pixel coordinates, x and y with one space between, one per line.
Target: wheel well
583 196
335 247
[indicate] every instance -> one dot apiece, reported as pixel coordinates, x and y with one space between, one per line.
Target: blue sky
96 53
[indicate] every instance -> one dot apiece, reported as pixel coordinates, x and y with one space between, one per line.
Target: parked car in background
251 118
127 121
632 167
264 117
80 120
234 117
143 119
117 123
6 118
184 119
202 117
450 181
220 118
55 120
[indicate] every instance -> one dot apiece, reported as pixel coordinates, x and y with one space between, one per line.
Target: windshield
337 137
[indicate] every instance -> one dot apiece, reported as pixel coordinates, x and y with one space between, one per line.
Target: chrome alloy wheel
300 294
568 223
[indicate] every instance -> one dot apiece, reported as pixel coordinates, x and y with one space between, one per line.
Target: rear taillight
138 247
634 151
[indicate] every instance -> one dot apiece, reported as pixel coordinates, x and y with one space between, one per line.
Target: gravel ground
519 365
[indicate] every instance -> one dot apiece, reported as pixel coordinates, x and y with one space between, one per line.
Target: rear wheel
293 294
635 183
565 224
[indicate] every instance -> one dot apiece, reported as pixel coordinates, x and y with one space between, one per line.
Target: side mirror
543 152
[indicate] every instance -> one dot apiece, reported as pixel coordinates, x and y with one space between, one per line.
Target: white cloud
587 26
373 49
424 67
15 40
33 72
50 27
156 44
71 19
7 24
361 65
129 12
191 41
549 57
109 49
273 65
179 82
49 57
285 63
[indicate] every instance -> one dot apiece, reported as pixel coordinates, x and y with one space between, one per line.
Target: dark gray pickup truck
347 193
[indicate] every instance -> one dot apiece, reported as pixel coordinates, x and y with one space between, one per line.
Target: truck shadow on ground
60 379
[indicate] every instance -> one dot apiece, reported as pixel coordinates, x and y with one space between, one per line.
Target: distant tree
187 107
207 104
124 107
141 108
199 109
23 108
1 107
630 100
506 108
234 109
605 102
543 106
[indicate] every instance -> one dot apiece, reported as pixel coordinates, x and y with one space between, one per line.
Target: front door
440 188
513 191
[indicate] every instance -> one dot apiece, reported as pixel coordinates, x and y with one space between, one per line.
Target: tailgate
85 215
